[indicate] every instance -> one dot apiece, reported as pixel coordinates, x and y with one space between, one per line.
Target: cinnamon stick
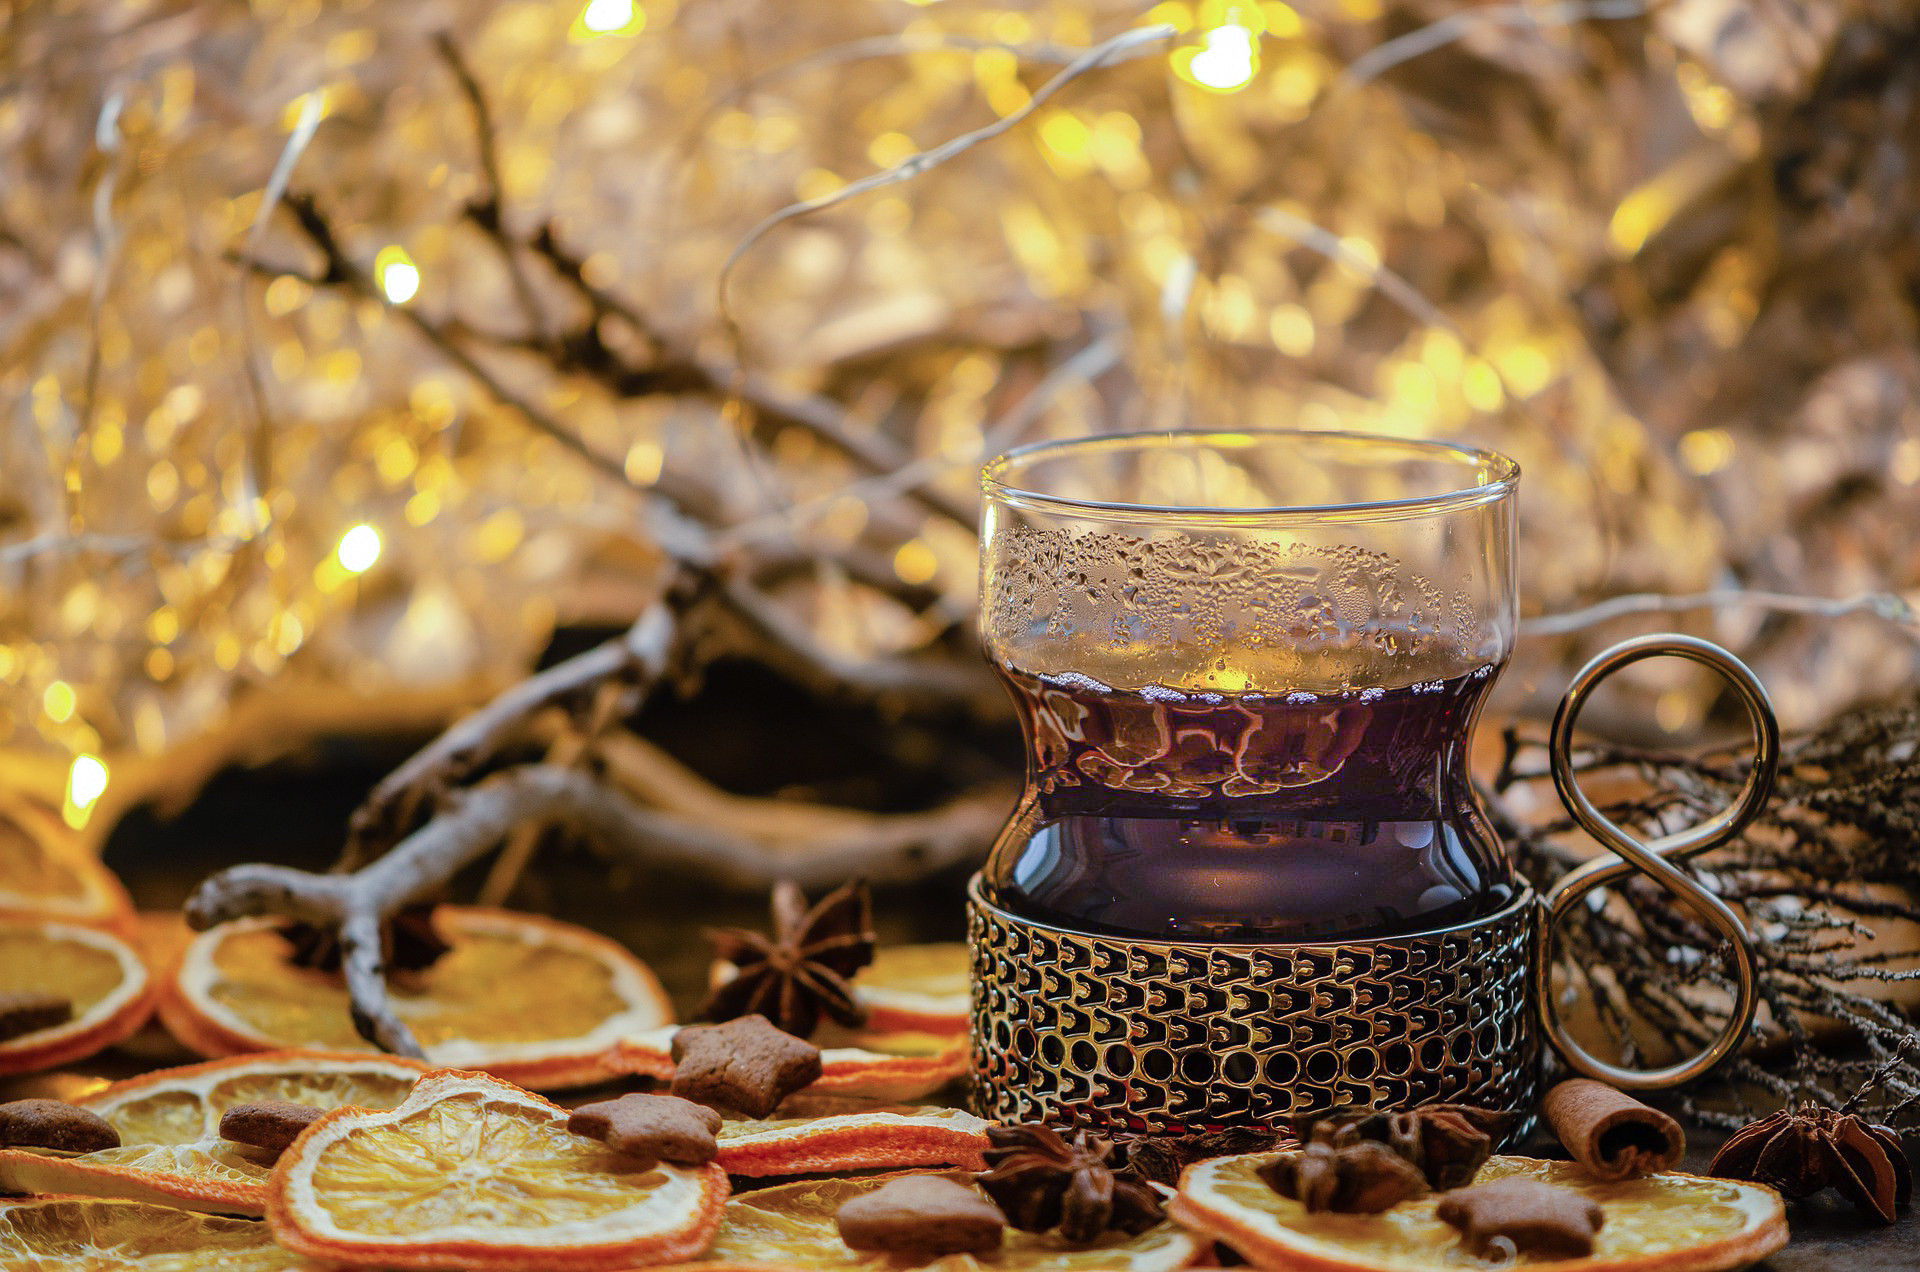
1610 1133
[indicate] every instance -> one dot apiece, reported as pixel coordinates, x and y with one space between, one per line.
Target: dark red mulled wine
1202 815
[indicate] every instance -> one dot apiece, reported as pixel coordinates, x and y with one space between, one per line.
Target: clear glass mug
1248 666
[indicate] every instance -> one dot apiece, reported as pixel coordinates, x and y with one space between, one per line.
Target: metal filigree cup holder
1072 1027
1248 721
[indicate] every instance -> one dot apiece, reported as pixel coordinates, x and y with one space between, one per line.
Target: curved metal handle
1656 858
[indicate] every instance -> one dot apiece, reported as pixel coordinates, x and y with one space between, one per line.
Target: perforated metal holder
1075 1028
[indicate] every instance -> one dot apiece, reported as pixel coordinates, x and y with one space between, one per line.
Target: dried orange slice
884 1140
866 1067
162 937
916 988
1662 1223
889 1066
170 1148
791 1226
86 1233
541 1003
95 970
472 1173
45 873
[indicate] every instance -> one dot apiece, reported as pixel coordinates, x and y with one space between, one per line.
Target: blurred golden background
349 351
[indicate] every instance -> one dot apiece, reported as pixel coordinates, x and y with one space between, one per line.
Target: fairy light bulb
398 276
86 783
359 549
604 16
1228 61
608 17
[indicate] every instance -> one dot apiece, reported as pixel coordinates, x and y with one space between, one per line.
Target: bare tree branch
641 652
878 846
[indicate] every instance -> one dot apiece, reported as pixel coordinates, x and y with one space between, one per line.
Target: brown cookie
1538 1218
29 1011
268 1124
53 1124
745 1064
657 1128
924 1216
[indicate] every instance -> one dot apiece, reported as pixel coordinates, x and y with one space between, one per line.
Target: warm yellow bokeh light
1706 450
59 701
1228 60
86 783
609 17
359 549
398 276
915 563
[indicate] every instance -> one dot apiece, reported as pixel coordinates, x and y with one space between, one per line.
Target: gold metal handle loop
1656 857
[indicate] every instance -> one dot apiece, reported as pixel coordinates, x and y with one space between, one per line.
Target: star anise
1448 1142
1362 1178
1801 1151
1159 1159
1041 1181
802 970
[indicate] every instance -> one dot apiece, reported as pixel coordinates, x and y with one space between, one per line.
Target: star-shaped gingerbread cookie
658 1128
745 1064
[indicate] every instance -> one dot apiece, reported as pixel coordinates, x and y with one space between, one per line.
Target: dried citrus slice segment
470 1172
884 1140
130 1236
97 972
170 1148
45 873
791 1226
883 1068
891 1067
541 1003
1662 1223
916 988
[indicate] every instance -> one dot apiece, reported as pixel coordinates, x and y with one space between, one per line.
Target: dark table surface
660 916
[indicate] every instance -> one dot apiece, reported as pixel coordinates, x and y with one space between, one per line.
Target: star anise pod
1041 1181
1159 1159
409 942
1801 1151
1448 1142
1362 1178
802 970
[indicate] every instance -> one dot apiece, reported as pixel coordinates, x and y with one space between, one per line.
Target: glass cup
1248 665
1248 878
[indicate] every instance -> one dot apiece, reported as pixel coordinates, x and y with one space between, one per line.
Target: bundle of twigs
1827 879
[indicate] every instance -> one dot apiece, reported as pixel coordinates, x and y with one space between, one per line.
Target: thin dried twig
1380 59
486 210
926 160
1893 608
641 653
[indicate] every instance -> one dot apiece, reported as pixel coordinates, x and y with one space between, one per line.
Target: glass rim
1500 475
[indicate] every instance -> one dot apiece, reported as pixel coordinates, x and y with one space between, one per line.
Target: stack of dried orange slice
1666 1222
885 1139
70 983
168 1121
545 1005
916 989
471 1172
